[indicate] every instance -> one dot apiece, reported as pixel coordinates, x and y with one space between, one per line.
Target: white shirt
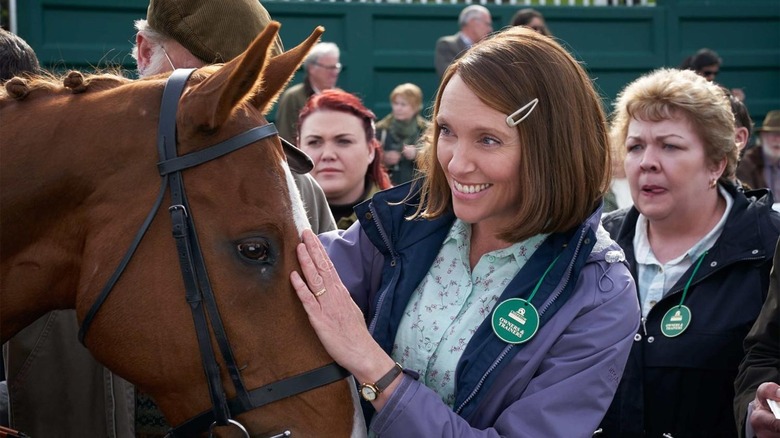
654 279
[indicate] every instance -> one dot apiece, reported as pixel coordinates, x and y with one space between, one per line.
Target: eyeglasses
168 57
709 73
336 67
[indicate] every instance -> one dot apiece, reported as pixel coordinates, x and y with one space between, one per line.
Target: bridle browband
198 290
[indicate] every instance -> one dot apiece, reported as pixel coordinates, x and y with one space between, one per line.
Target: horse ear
229 85
280 70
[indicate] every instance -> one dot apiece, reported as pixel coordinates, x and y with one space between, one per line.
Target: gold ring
320 292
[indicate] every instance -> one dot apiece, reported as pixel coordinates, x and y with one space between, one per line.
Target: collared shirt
466 39
654 279
450 303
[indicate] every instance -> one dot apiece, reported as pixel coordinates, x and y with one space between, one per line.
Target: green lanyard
516 320
539 283
678 318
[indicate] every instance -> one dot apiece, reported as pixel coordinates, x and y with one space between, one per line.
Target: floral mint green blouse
450 303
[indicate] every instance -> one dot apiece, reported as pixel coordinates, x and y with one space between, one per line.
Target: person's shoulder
304 181
761 199
615 215
294 89
447 39
756 212
607 256
400 195
614 219
385 122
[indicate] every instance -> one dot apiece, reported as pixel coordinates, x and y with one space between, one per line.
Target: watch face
367 392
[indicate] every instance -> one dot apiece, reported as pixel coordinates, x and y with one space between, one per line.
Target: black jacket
762 347
684 385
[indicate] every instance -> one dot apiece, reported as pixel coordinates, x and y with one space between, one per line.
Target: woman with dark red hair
337 131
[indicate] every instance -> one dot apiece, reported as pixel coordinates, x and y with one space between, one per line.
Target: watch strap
388 378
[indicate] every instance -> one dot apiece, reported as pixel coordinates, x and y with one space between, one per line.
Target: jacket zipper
484 376
560 289
509 347
393 262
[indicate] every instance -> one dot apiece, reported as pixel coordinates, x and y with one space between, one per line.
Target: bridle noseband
198 290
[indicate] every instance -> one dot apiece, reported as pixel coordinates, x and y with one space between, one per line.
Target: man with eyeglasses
475 23
321 72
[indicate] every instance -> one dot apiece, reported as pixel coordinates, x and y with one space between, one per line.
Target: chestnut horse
78 176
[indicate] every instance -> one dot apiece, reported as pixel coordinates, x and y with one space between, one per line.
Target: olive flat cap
213 30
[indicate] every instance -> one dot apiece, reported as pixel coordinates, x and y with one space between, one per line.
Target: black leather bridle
197 286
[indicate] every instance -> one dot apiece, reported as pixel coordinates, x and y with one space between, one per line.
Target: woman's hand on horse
336 319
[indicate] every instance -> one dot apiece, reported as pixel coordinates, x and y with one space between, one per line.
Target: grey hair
157 62
471 12
319 50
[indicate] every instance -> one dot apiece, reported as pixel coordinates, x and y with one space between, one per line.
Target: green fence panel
384 44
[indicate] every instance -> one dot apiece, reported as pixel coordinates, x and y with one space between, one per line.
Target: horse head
243 209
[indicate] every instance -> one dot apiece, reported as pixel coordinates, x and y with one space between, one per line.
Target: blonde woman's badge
675 321
515 321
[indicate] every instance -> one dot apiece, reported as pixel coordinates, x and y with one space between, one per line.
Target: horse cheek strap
198 290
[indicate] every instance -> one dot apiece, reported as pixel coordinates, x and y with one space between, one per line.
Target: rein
198 289
7 432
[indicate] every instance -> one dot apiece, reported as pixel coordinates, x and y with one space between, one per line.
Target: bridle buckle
178 207
230 421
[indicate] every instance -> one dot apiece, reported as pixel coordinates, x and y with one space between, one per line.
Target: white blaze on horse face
298 211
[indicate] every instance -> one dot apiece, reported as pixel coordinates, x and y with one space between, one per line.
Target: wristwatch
370 391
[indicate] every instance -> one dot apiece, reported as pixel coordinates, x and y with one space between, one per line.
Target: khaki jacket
56 387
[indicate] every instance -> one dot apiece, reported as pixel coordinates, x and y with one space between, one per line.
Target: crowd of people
499 266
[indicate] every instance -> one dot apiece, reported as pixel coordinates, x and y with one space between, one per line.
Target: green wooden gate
386 44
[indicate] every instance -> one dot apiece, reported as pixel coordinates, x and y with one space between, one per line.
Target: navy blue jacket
685 385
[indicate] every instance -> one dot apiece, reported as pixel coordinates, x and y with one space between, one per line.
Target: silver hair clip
528 108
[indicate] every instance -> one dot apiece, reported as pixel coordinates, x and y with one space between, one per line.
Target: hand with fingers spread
336 319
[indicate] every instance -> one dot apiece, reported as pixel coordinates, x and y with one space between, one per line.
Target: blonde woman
399 132
700 250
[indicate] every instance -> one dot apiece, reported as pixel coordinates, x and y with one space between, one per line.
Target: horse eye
255 251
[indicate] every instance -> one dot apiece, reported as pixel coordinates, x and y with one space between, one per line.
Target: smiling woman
473 299
701 250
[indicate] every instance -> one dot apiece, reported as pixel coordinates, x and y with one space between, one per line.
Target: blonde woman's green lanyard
678 318
516 320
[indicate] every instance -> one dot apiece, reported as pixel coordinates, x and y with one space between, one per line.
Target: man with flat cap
194 33
56 387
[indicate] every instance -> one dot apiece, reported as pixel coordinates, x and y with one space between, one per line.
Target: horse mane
75 82
20 87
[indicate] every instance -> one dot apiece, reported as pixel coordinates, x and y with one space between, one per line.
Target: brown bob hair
565 161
